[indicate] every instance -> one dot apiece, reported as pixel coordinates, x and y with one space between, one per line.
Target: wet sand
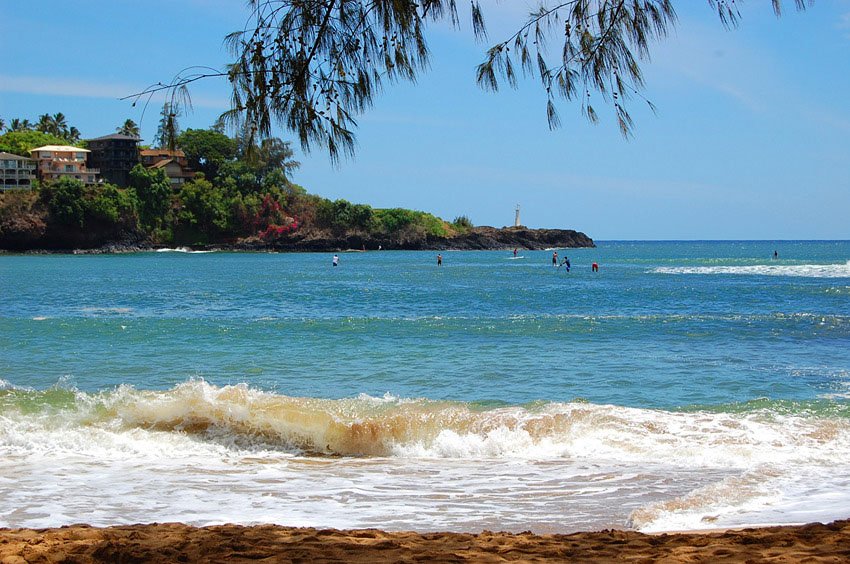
174 542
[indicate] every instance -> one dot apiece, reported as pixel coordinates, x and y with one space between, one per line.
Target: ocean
686 385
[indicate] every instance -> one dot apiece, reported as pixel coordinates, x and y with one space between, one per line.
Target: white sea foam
766 495
205 454
186 250
800 270
399 427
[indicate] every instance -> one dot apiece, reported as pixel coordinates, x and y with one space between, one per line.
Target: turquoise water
710 348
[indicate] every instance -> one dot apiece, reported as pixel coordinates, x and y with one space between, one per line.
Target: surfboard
516 258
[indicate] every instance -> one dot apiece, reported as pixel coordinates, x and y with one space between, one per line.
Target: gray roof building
16 172
114 155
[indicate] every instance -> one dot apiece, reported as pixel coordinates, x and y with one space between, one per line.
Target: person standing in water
594 267
439 259
336 260
775 255
555 258
515 251
566 263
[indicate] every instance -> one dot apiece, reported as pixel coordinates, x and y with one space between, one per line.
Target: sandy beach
175 542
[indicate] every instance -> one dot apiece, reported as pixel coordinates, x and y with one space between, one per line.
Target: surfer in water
775 255
554 258
515 249
336 260
566 264
439 260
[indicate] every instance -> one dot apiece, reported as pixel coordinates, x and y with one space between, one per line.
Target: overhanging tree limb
313 65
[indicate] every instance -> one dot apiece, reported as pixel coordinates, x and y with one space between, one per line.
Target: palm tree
130 128
60 125
73 134
45 123
18 125
2 124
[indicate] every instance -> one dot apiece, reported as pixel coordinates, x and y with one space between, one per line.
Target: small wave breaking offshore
800 270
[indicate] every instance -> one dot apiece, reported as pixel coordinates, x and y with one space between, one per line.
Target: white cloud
62 87
89 89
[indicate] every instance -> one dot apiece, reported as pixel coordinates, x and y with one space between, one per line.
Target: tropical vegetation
19 136
242 191
129 128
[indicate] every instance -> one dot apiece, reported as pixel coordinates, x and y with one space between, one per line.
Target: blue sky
751 139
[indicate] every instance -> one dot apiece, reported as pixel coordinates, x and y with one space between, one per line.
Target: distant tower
516 219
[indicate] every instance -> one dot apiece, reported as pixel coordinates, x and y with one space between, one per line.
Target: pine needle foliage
313 66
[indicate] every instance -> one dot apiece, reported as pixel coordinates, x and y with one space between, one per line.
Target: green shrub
203 206
110 204
393 220
71 203
65 200
397 220
342 216
153 190
462 223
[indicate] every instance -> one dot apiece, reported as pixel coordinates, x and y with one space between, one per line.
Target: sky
751 139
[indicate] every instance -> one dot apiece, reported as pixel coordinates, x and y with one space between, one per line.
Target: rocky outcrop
478 238
29 233
35 238
517 237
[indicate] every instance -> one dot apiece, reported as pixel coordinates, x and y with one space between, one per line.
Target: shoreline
476 239
238 249
176 542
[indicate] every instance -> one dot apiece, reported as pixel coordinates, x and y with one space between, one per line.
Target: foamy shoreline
408 464
176 542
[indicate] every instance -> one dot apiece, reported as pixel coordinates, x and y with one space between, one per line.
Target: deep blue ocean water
716 330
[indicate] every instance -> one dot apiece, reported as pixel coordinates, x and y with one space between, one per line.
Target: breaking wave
276 458
800 270
243 418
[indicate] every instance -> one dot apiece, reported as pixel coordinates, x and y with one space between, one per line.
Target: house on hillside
63 161
16 172
115 155
174 164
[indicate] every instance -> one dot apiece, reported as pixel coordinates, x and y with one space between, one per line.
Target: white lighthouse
516 218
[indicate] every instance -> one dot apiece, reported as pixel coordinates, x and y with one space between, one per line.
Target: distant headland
306 240
210 191
475 239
